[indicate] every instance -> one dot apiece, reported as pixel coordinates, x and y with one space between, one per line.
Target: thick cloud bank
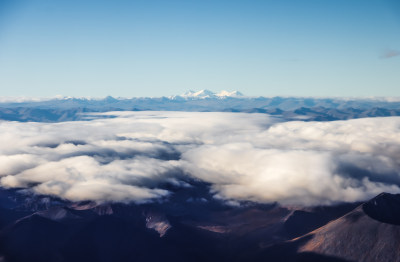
133 155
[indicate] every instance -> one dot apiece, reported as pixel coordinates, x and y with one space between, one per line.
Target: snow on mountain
199 94
202 94
225 93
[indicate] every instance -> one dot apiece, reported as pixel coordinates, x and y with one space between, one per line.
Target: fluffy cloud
133 155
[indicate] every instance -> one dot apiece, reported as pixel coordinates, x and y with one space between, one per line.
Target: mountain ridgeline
291 108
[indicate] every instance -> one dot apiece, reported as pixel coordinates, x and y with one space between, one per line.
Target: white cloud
243 156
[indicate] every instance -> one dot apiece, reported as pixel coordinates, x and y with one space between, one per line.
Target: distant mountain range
291 108
203 100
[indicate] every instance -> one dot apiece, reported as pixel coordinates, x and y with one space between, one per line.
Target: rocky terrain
192 226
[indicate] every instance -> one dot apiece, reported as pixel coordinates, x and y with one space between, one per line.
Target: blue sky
155 48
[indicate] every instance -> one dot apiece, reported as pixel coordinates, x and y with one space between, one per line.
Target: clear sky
165 47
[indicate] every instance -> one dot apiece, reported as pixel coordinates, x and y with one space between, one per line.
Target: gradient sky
155 48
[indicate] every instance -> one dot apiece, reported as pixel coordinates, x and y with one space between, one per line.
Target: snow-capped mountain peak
225 93
199 94
209 94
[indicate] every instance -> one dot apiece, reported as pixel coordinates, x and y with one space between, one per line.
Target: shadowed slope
368 233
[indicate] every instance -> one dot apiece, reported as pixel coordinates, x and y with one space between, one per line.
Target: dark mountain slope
202 229
371 232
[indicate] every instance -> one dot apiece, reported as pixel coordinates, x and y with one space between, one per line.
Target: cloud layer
244 157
